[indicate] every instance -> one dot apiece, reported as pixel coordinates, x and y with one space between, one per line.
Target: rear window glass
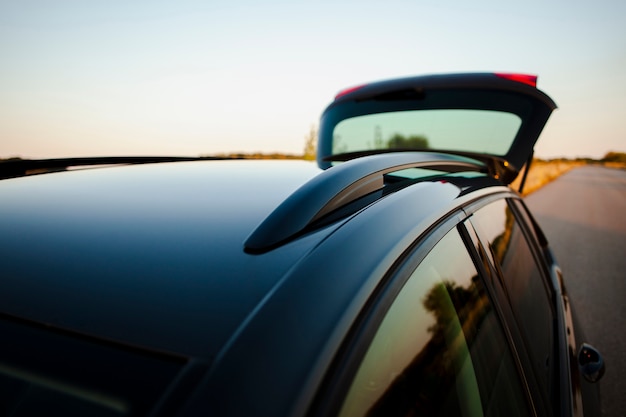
447 129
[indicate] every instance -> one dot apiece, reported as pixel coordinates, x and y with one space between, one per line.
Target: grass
543 172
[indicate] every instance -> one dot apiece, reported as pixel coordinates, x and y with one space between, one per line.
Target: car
399 275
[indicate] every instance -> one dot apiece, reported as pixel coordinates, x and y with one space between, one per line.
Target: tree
398 141
310 144
614 157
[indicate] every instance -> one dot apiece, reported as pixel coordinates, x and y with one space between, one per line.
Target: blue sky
82 78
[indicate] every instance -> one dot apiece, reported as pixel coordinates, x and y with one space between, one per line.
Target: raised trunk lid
494 117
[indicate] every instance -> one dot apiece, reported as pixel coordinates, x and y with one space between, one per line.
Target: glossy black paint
302 323
146 254
330 191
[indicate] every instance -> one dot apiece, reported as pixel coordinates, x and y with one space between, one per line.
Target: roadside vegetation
543 171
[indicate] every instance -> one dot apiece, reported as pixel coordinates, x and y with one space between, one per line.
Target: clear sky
190 77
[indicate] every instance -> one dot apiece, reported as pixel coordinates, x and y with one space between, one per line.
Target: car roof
151 255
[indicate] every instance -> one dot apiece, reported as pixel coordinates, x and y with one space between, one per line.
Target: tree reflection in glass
439 350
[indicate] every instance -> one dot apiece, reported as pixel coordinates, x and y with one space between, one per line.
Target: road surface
583 214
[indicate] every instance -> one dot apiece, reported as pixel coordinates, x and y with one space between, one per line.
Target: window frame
564 396
493 284
548 402
351 353
344 367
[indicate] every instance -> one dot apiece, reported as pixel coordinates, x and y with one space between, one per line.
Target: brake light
530 80
348 91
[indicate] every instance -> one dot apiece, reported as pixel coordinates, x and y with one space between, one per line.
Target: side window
526 218
440 349
523 285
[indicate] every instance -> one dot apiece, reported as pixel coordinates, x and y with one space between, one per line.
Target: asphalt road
583 214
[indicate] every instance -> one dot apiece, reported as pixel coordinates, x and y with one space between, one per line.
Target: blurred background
92 78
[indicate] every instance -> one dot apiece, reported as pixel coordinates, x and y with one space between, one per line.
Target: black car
400 276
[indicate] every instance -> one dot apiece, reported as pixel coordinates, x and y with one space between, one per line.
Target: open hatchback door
493 117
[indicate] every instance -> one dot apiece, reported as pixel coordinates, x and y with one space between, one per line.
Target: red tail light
348 91
530 80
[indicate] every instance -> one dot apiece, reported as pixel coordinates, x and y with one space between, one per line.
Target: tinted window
440 349
467 130
524 284
525 218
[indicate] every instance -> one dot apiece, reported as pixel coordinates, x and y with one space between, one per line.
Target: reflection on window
439 350
461 130
524 284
